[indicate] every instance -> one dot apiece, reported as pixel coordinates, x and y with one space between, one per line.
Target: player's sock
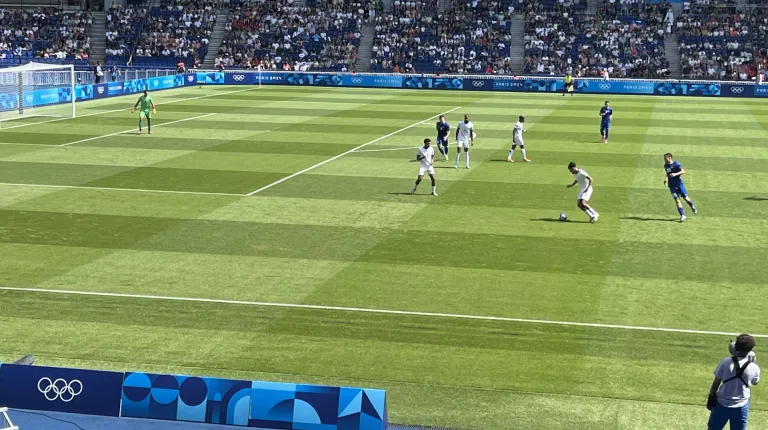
606 135
467 159
681 211
511 153
445 152
523 151
590 212
434 189
458 156
139 125
440 148
149 124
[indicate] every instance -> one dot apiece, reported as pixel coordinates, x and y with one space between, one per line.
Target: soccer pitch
242 196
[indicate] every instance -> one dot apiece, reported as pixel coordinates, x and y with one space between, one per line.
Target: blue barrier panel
100 91
183 398
382 81
311 407
472 84
59 389
686 89
210 78
615 87
736 90
434 83
506 84
761 91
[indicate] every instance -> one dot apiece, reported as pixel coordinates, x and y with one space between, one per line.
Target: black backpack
739 371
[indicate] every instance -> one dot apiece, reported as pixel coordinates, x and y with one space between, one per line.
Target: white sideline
336 157
127 109
375 311
140 190
382 150
134 129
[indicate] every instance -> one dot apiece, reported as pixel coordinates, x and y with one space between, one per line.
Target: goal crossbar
36 89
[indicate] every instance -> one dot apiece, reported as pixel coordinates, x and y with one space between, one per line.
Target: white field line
138 190
134 129
336 157
127 109
374 311
388 149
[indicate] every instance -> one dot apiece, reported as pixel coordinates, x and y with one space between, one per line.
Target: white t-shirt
429 156
581 177
734 394
465 130
517 134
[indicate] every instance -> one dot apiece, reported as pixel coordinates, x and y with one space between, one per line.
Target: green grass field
167 215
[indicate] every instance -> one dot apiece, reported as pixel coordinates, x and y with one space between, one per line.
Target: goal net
35 90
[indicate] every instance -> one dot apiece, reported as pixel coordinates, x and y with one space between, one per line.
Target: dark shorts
722 415
442 140
678 192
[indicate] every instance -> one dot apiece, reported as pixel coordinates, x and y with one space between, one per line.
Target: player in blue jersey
443 128
673 179
606 115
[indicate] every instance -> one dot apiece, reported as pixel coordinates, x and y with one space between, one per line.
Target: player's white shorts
426 170
516 141
462 144
586 194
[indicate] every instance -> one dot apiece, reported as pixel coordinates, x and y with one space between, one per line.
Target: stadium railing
5 420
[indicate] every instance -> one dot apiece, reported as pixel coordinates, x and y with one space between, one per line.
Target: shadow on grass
756 199
637 218
557 220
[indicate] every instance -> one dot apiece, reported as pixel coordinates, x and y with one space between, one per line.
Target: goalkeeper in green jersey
147 110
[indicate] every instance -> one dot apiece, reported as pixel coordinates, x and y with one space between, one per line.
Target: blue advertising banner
509 85
736 90
100 91
290 406
761 90
239 78
615 87
686 89
545 85
183 398
471 84
84 92
423 82
59 389
383 81
209 78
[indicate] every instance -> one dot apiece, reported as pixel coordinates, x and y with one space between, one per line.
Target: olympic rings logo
604 86
357 80
737 90
478 84
239 78
60 389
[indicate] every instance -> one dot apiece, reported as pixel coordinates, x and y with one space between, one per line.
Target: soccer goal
34 90
5 421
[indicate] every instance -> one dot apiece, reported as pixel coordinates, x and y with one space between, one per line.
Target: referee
568 84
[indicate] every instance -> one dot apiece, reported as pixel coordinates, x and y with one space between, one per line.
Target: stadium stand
624 39
471 37
123 26
280 34
716 42
176 31
45 35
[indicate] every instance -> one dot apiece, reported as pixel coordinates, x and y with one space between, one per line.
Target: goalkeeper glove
154 111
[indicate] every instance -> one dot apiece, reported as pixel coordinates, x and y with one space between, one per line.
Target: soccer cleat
602 139
683 218
149 132
139 132
434 193
693 208
593 219
455 166
467 167
605 141
527 160
510 160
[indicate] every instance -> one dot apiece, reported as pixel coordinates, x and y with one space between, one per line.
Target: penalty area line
373 311
382 150
336 157
136 190
133 130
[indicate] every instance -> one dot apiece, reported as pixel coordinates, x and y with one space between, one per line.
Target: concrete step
365 50
517 44
672 53
98 37
217 37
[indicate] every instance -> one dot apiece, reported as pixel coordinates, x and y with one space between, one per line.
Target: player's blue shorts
442 140
678 191
605 126
721 415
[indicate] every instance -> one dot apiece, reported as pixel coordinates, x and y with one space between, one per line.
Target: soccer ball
563 217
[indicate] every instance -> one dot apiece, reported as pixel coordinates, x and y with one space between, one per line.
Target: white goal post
36 89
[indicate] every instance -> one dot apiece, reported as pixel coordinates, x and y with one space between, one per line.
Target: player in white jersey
425 155
582 178
517 139
465 137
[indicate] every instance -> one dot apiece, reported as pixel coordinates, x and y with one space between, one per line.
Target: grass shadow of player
756 199
639 218
444 167
557 220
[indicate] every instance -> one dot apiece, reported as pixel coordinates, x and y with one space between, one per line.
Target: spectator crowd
45 33
122 28
280 34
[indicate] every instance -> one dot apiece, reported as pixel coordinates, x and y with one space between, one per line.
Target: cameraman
730 392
